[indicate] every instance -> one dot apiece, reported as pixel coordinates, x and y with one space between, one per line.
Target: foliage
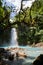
4 17
22 34
37 13
30 23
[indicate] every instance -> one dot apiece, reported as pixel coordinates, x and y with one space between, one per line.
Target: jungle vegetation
28 22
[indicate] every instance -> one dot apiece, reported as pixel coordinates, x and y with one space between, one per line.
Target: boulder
2 50
39 60
22 54
11 57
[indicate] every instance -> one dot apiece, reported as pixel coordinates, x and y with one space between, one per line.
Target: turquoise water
31 51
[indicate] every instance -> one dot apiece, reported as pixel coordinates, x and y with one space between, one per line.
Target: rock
22 55
2 50
11 57
39 45
3 63
39 60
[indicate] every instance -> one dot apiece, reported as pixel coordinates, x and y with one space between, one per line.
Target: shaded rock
39 60
4 54
3 62
11 57
2 50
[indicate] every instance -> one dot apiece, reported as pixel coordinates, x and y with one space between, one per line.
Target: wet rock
3 63
4 53
22 54
11 57
1 53
2 50
39 60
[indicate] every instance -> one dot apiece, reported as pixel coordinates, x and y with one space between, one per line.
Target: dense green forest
28 22
4 16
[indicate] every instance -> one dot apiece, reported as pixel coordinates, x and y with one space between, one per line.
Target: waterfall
13 40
